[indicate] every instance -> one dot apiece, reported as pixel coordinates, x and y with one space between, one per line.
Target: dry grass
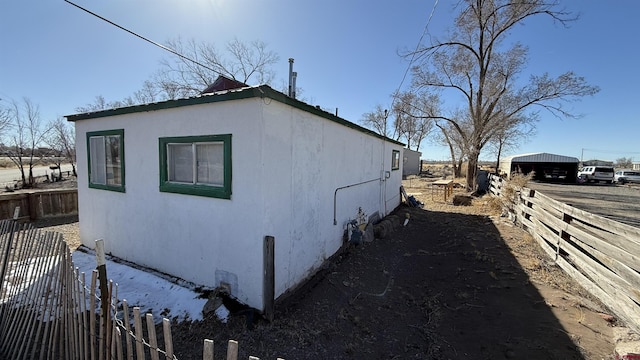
433 197
508 198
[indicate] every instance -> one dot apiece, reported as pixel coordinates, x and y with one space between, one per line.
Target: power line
413 54
142 37
610 151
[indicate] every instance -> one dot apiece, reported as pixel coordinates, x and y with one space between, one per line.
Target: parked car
627 176
596 174
555 173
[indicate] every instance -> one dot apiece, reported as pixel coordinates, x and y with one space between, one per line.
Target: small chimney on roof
294 76
292 79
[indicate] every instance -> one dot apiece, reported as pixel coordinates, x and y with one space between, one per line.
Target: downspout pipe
335 196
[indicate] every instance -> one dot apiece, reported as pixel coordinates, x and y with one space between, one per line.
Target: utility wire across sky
141 37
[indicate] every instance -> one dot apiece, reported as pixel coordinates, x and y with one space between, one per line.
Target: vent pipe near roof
291 77
294 76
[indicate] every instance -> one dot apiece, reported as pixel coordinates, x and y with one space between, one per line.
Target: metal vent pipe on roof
294 76
290 77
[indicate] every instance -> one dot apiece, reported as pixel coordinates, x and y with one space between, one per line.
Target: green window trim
119 187
221 192
395 160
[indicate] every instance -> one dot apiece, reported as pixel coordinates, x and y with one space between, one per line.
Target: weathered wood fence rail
39 204
602 255
49 311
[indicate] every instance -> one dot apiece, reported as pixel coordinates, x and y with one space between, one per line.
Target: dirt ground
457 282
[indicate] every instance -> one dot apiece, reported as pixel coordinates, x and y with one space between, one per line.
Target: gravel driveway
67 225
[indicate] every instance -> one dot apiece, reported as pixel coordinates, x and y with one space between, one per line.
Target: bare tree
411 119
450 137
474 63
414 116
180 78
243 62
148 94
624 162
376 120
401 117
61 139
507 138
99 103
5 119
28 133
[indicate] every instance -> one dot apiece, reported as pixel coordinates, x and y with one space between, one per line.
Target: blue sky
345 54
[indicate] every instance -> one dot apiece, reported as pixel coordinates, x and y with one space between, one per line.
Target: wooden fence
39 204
49 311
602 255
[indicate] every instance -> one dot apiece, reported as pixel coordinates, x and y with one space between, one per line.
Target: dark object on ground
413 202
462 200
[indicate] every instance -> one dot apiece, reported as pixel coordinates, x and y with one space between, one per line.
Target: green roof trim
262 91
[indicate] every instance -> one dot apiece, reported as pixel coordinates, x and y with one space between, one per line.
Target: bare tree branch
61 139
180 78
376 120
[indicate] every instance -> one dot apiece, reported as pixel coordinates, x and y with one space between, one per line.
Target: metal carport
546 167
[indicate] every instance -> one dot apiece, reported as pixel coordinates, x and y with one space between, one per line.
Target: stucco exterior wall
287 164
411 162
311 160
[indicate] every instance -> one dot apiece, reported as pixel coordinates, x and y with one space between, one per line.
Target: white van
596 174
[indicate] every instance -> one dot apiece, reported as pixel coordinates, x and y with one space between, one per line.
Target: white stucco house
192 186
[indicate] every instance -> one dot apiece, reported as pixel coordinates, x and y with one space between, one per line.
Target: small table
446 185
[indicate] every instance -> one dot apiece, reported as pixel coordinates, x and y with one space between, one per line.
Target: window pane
98 175
210 165
180 163
395 160
112 159
196 165
105 150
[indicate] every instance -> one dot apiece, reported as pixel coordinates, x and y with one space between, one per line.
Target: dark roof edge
261 91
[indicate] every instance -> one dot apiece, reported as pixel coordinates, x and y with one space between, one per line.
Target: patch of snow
146 290
222 313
